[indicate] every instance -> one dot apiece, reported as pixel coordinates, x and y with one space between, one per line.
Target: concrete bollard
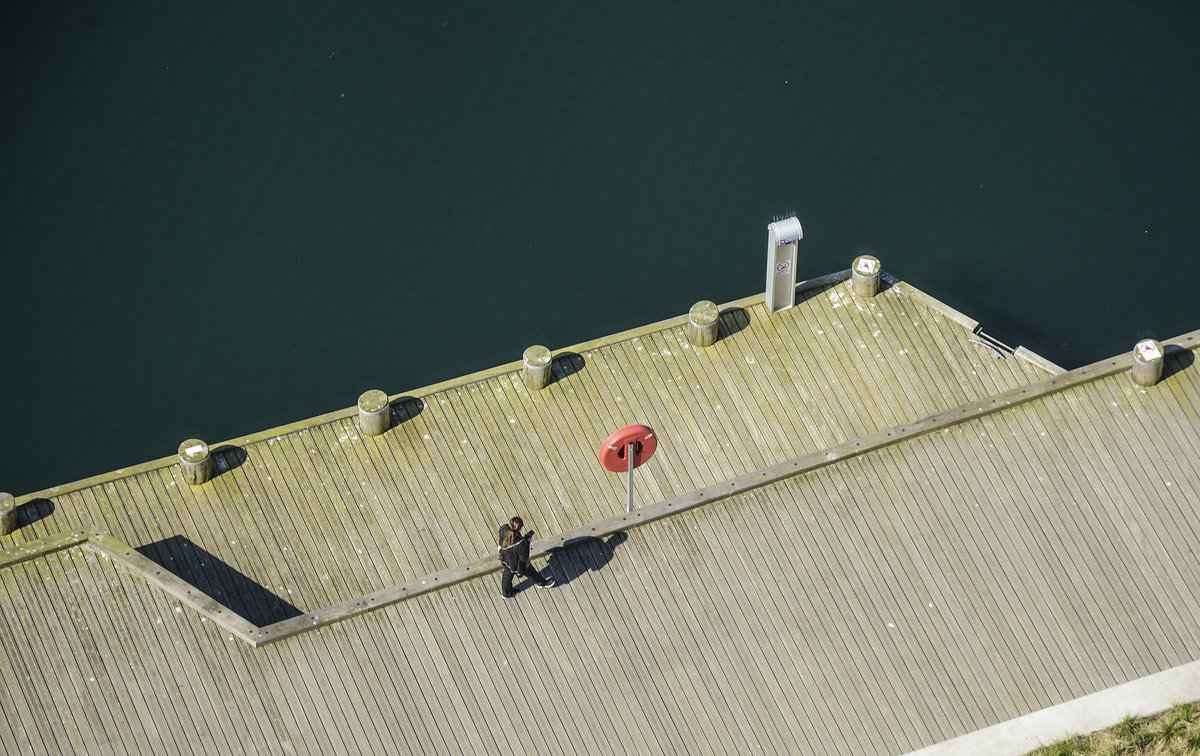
535 367
8 513
1147 362
864 276
702 324
374 413
195 461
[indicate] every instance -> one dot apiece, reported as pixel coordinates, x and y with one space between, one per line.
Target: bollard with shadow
1147 368
702 323
195 463
535 367
374 413
864 276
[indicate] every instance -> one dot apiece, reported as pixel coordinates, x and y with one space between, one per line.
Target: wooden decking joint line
14 555
142 566
139 565
938 306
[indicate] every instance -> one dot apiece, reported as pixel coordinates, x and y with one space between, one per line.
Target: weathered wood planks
861 534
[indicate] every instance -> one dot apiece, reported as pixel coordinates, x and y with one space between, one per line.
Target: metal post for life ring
629 455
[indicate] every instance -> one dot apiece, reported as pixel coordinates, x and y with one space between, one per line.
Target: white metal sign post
782 237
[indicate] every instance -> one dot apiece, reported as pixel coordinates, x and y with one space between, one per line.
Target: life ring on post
615 449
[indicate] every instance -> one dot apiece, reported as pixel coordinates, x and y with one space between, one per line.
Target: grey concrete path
1097 711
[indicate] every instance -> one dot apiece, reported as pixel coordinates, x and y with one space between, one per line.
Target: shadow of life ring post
626 449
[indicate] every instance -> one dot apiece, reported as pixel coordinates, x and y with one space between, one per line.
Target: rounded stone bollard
8 513
702 323
1147 362
864 276
195 462
374 413
535 367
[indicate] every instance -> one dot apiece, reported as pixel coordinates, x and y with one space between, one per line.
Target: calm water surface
220 219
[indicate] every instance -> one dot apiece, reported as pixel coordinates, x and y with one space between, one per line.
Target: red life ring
615 448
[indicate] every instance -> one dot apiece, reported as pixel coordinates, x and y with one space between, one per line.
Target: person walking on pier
514 555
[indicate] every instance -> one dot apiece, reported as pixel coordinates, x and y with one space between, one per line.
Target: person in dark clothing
514 555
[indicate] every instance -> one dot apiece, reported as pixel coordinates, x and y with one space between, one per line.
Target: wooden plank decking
1023 549
317 514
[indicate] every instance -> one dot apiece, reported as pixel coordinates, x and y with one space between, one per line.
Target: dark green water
222 217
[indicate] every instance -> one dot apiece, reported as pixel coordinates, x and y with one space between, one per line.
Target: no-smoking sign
782 267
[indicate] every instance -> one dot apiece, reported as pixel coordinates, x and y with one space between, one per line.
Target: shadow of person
580 555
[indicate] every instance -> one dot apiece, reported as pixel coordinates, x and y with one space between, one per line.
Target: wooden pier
865 530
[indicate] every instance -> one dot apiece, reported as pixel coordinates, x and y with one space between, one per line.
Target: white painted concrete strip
1102 709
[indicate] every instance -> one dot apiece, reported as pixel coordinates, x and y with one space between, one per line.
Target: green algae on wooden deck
860 533
319 514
